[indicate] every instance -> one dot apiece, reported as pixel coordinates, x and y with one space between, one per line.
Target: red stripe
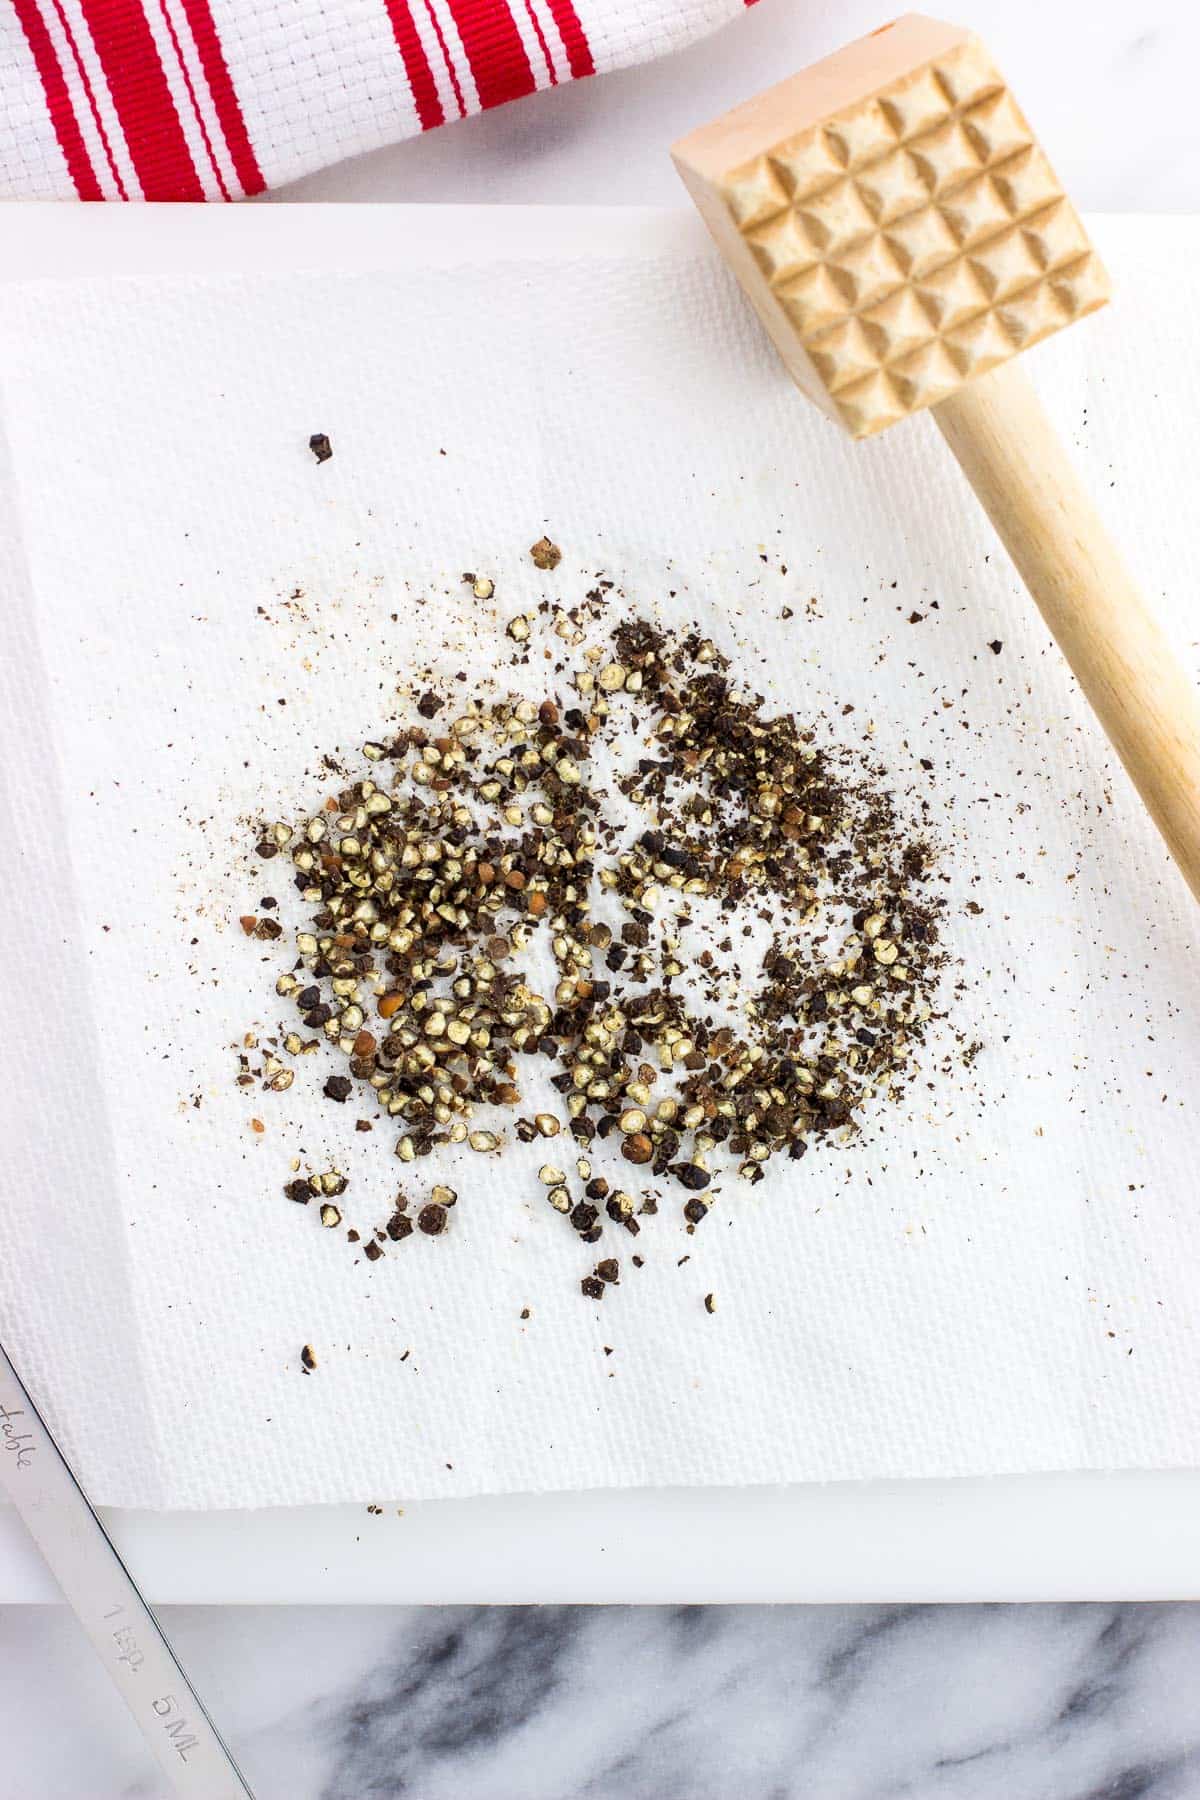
187 81
129 57
416 65
446 58
579 54
85 79
58 101
224 95
494 50
542 44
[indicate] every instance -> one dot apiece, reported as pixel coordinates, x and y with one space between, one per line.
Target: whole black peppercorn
433 1219
339 1087
592 1287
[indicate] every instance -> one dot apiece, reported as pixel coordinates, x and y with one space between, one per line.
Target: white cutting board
1134 1534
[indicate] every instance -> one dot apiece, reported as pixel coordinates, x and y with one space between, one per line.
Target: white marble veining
787 1703
769 1703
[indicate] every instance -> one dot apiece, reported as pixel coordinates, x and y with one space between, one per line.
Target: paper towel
1002 1276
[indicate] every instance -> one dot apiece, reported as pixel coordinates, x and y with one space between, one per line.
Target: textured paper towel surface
1003 1277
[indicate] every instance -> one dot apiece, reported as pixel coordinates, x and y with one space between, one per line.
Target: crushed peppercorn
545 555
496 833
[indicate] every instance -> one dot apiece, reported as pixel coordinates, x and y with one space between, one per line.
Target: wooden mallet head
895 223
902 237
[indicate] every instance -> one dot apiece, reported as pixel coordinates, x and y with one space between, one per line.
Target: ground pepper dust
709 930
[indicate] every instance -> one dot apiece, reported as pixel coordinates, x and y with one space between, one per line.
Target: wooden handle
1010 454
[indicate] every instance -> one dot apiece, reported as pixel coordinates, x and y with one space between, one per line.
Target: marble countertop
1087 1702
1110 88
616 1703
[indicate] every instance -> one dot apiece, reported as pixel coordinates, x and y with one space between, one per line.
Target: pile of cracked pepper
737 932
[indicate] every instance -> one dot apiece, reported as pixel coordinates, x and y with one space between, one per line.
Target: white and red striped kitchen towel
215 99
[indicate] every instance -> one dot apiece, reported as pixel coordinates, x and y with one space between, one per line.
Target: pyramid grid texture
916 239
